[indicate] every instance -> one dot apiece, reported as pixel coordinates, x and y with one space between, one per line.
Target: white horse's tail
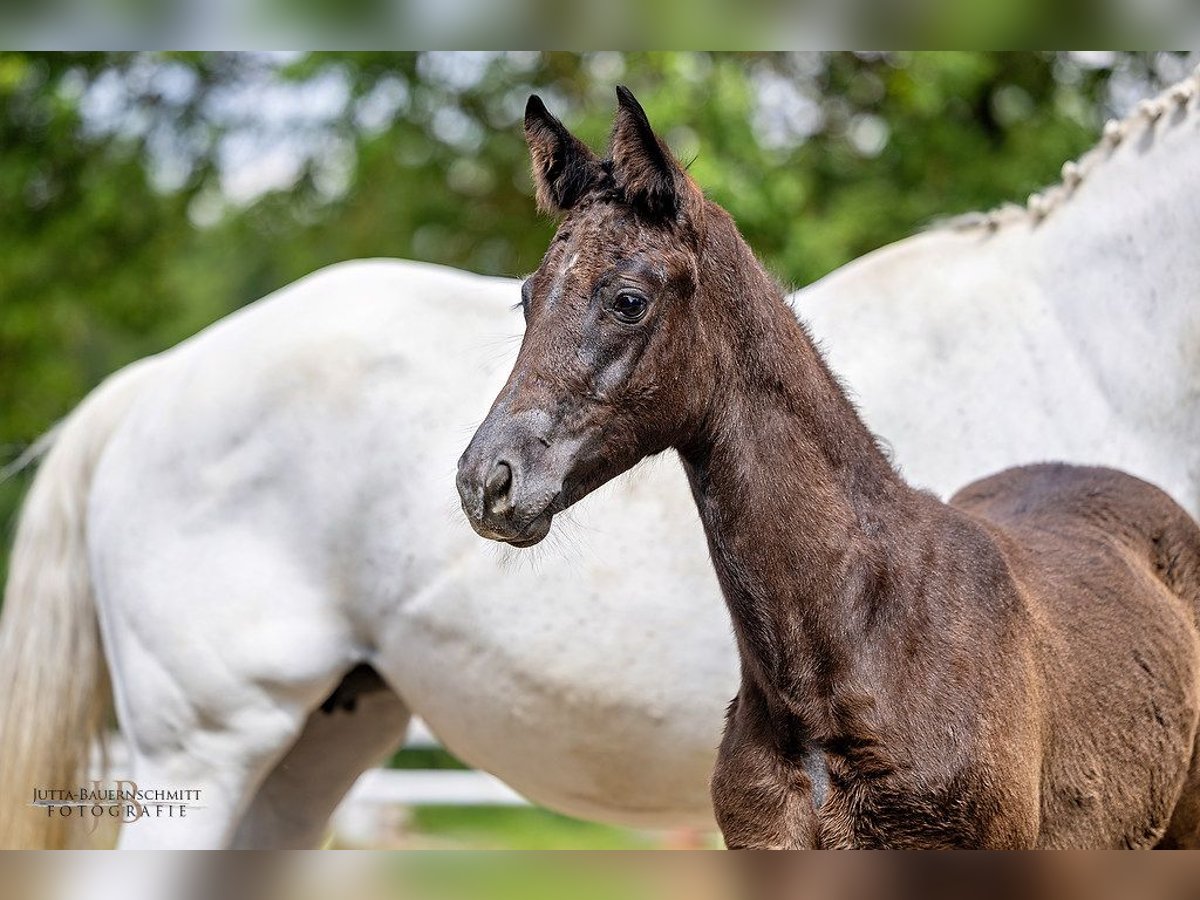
55 699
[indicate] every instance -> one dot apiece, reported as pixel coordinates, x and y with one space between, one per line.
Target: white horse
251 514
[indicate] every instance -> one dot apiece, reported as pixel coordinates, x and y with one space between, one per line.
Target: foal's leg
761 801
293 806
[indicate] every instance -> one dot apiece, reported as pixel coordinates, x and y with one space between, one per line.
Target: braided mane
1042 203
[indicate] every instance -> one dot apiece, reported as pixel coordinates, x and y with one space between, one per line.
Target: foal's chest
875 803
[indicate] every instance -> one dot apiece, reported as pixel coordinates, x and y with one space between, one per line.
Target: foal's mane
1040 204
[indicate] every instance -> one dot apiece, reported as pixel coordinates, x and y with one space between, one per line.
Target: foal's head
618 358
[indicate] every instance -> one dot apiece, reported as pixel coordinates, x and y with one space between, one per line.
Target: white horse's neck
1113 254
1082 303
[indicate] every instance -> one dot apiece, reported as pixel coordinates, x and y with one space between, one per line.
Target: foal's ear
563 166
642 164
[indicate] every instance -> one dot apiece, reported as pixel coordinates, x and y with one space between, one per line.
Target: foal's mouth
523 543
531 532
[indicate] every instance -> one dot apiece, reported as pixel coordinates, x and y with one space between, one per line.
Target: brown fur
1017 668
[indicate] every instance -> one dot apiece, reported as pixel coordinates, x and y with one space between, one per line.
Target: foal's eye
629 307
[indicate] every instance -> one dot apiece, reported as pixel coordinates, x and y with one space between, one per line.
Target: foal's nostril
497 489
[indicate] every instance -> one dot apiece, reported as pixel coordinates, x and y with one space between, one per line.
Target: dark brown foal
1017 668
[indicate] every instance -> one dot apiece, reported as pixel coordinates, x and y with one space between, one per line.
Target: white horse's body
273 502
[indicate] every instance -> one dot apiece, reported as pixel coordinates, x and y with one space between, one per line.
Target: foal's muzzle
506 491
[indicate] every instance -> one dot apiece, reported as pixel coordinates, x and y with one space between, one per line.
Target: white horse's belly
592 677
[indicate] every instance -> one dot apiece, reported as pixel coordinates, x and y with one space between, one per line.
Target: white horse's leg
222 762
216 668
292 808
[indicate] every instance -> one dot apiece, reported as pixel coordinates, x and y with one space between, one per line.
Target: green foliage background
119 237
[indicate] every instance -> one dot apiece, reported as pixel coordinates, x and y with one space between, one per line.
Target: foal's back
1109 566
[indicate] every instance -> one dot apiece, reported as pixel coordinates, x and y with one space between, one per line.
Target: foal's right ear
563 166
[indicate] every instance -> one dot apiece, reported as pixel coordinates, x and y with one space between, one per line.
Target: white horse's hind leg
222 756
215 670
292 808
220 767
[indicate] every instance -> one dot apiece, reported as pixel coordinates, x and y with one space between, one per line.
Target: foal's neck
801 508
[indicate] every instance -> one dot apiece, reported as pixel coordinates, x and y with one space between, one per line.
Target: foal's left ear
642 164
